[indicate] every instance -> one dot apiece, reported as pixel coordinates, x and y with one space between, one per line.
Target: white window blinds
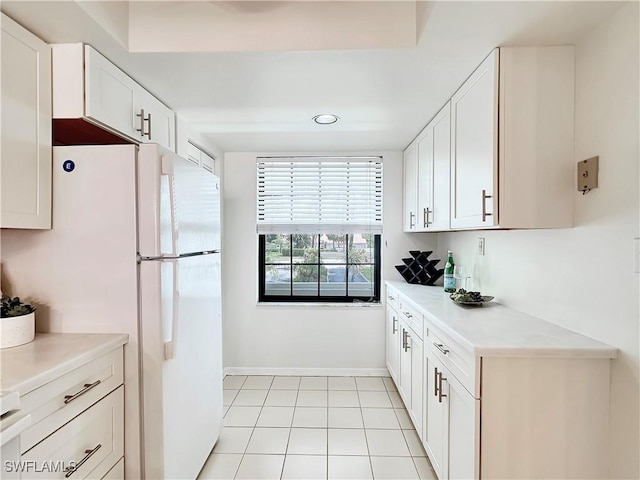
319 194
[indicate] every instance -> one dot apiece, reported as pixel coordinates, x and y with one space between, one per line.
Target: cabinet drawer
57 402
460 361
411 317
92 443
117 472
393 298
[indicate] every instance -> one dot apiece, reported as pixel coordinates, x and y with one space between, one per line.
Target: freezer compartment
178 205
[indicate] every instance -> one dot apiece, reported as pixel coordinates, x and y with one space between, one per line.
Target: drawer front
79 388
91 444
460 361
117 472
411 316
393 298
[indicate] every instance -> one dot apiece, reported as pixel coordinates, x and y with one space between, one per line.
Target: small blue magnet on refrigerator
68 165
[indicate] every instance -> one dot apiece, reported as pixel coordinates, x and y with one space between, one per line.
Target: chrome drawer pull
395 322
407 314
71 470
440 347
391 297
435 378
87 387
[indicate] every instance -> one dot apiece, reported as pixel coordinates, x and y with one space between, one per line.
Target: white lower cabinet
499 409
410 387
451 422
435 418
77 428
89 445
392 338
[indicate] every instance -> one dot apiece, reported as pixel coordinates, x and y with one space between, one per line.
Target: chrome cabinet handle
435 382
406 341
425 216
142 120
411 221
391 297
407 314
87 387
73 469
393 325
440 347
149 125
484 205
440 394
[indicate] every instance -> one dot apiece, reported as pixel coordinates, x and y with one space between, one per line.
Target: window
319 226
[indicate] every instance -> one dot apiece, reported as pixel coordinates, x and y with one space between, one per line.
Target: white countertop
27 367
496 330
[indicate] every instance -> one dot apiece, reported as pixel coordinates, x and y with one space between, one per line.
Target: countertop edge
38 380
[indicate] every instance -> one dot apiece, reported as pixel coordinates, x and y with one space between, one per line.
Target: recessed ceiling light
325 119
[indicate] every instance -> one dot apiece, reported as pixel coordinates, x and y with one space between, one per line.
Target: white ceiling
264 100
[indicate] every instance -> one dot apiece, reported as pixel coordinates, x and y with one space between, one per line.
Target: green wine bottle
449 280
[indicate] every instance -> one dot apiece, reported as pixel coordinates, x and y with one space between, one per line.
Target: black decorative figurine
419 269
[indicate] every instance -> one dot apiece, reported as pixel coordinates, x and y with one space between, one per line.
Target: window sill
320 304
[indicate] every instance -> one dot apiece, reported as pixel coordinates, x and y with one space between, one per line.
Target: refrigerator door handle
167 170
170 306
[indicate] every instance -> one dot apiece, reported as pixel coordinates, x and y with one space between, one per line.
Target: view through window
330 267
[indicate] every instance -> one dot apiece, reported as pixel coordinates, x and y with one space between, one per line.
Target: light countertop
496 330
27 367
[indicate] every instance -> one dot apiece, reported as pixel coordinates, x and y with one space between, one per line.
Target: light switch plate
588 174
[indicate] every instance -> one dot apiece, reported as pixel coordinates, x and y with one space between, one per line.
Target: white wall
583 278
310 337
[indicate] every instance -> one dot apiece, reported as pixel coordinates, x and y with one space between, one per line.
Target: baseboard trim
309 372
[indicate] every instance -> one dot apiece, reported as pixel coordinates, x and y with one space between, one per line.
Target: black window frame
338 299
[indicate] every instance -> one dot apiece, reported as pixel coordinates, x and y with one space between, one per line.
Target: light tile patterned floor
315 428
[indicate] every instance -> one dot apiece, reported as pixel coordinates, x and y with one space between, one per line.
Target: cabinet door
474 148
410 204
159 121
425 180
404 388
436 417
110 95
26 129
441 158
417 381
393 343
464 415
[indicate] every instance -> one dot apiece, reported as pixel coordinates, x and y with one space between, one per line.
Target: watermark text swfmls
32 466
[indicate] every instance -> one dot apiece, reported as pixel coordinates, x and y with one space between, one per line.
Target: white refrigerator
135 248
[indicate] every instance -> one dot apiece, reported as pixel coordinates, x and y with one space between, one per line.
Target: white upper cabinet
87 85
512 141
25 161
474 148
111 96
510 150
158 120
433 172
410 204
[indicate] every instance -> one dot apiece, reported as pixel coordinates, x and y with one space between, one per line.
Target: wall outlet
481 246
636 255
